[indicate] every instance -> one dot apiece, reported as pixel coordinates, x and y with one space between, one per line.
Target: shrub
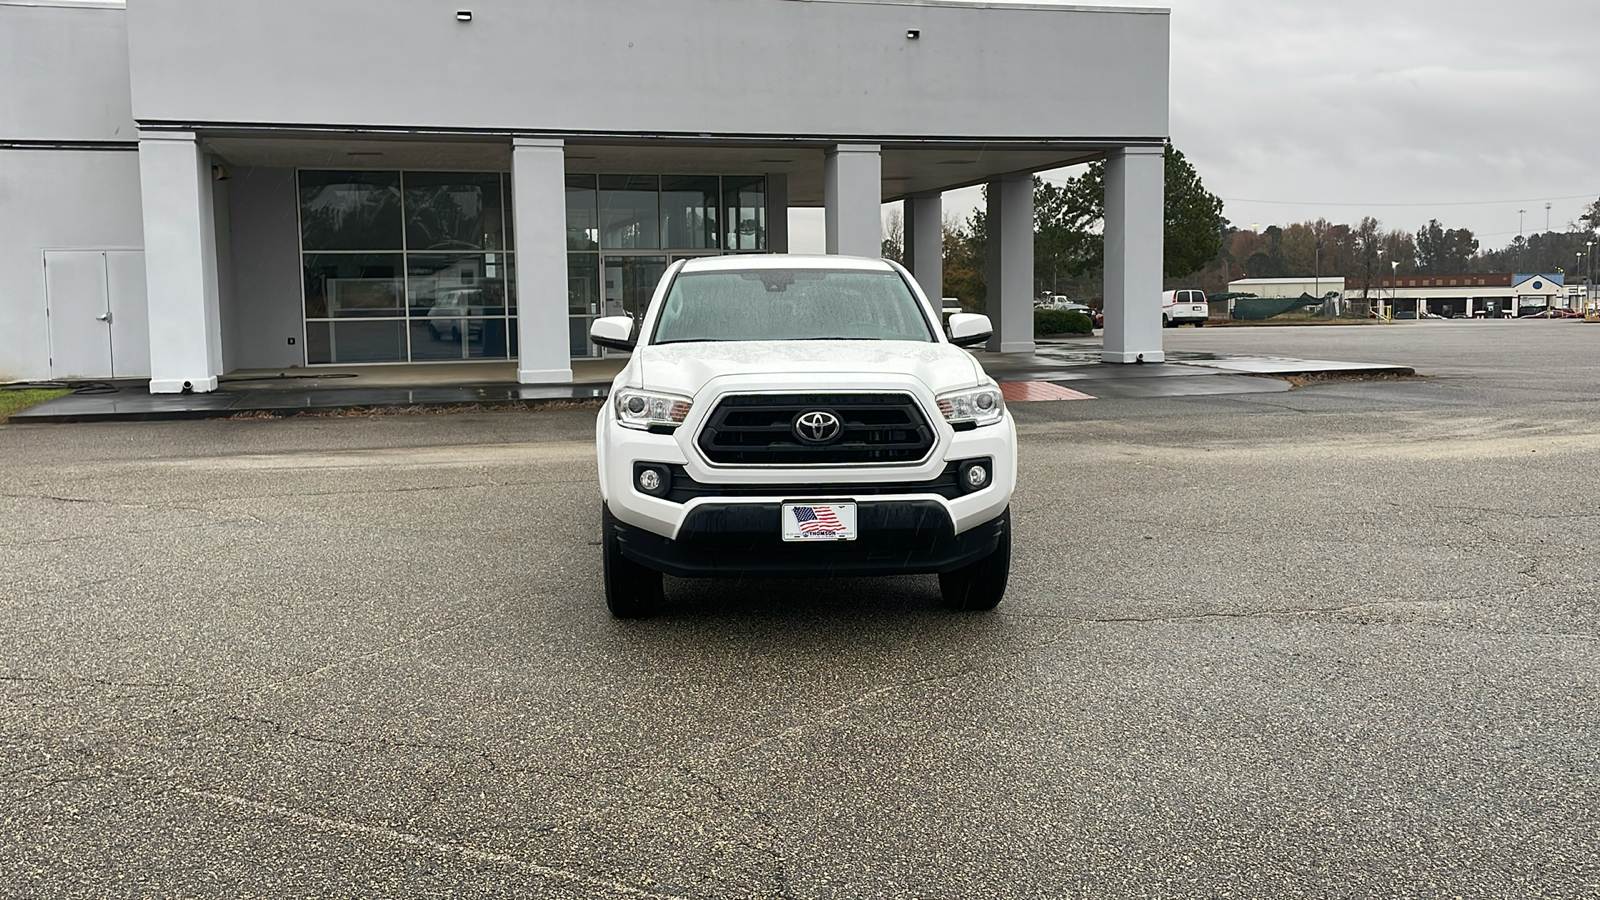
1061 321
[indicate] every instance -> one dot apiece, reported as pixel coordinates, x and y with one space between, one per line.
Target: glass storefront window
355 342
745 199
511 282
350 211
444 337
630 282
583 221
583 284
417 265
689 211
508 209
354 285
453 211
630 212
461 283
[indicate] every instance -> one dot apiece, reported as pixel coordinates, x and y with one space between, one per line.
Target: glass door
630 281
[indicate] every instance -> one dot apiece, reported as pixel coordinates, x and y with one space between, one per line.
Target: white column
852 197
924 250
539 204
180 258
1135 217
1008 266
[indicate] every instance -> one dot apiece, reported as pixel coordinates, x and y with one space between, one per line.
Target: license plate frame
821 515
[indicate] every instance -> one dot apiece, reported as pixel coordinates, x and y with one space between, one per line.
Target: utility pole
1394 285
1316 266
1589 277
1547 218
1522 245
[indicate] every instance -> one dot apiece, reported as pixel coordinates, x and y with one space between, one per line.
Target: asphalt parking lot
1337 641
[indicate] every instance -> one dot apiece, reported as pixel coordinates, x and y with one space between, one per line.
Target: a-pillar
180 262
852 197
539 205
924 243
1133 242
1008 268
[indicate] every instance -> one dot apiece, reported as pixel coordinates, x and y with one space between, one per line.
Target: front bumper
620 449
897 537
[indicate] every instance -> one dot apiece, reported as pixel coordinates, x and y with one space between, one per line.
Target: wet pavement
1338 641
1073 365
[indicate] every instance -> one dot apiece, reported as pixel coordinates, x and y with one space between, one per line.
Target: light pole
1366 293
1522 245
1589 277
1316 267
1394 286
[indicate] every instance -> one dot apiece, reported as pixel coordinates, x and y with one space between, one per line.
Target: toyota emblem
817 426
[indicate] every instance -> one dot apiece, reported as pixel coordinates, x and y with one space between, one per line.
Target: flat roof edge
70 4
1007 4
257 129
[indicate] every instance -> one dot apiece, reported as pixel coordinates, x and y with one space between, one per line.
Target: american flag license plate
819 521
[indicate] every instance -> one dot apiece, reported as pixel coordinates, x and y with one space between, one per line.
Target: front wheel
633 591
980 585
1199 324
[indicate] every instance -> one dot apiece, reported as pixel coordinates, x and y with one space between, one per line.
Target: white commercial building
190 187
1476 295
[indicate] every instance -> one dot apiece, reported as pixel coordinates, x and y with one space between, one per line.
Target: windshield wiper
690 341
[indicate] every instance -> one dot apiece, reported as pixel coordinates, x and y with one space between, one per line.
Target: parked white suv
1178 307
799 416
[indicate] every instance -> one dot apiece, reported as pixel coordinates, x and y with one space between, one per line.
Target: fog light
652 479
974 475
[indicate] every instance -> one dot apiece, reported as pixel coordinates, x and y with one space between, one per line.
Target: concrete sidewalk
1072 366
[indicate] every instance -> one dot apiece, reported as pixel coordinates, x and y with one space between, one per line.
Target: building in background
1469 296
189 188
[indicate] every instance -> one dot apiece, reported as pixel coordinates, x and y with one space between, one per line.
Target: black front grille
682 488
758 430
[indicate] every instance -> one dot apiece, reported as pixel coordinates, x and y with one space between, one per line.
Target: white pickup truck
796 416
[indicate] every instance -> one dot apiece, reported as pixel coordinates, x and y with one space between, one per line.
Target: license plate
819 521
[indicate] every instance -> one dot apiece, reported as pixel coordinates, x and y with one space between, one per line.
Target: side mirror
967 329
612 332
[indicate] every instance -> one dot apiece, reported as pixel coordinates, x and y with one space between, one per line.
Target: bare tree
894 236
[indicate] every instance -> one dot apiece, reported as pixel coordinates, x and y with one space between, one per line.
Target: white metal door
80 315
130 316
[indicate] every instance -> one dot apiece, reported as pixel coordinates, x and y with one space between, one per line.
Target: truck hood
686 368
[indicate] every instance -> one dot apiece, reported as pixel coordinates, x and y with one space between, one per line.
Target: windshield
791 305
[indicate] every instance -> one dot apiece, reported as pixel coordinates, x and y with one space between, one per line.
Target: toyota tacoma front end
801 416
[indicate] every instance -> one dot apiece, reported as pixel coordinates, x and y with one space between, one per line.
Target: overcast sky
1402 109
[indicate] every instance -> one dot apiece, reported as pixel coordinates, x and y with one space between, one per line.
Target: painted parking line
1024 391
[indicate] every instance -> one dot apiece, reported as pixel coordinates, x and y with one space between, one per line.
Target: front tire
1200 324
633 591
979 586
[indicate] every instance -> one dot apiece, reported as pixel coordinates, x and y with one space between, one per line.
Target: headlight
979 406
642 409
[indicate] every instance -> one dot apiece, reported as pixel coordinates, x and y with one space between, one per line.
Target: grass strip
13 402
